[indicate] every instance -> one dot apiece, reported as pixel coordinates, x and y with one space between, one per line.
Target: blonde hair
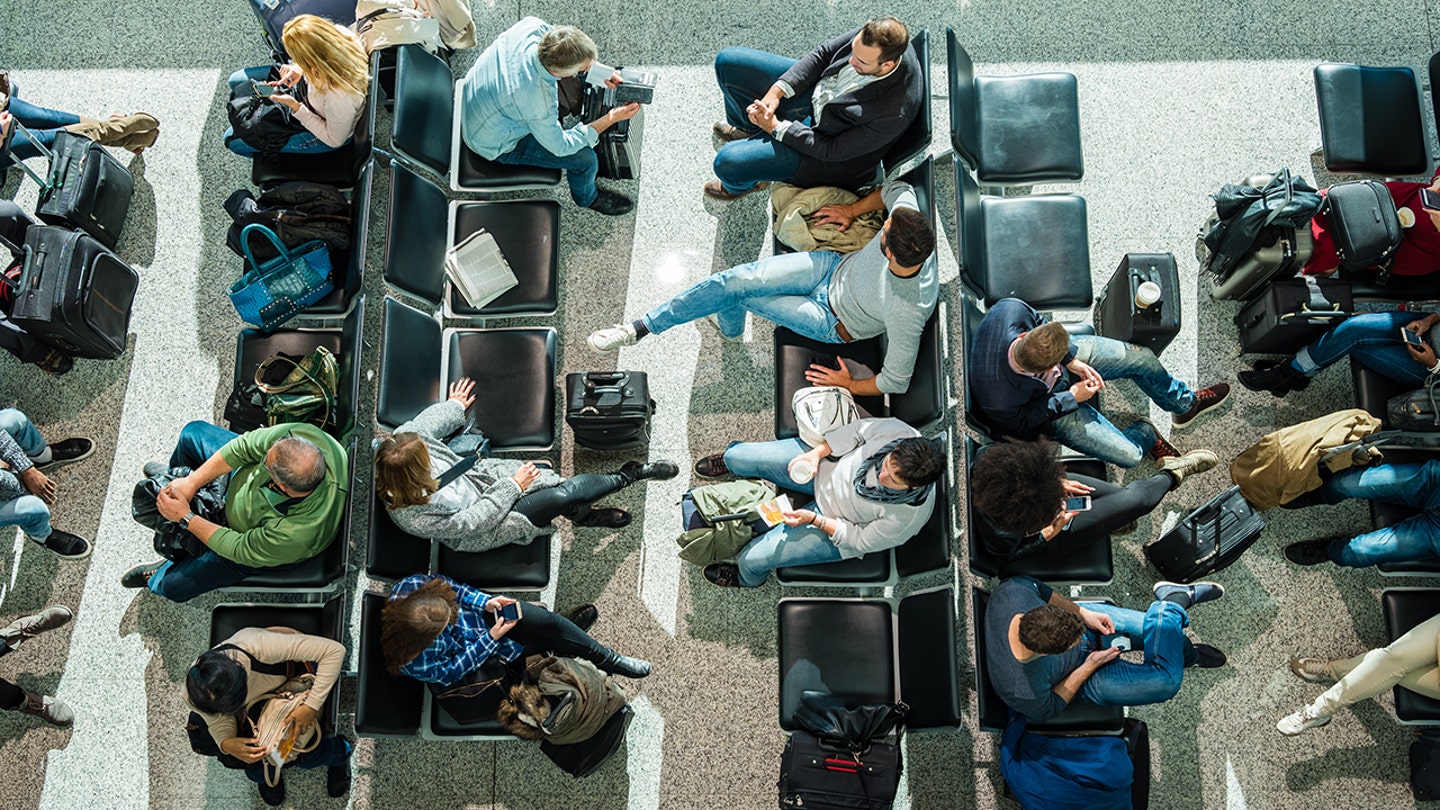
332 60
402 471
565 48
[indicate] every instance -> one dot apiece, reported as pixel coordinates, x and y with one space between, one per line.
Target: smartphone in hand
265 90
1411 338
1429 200
1079 503
510 612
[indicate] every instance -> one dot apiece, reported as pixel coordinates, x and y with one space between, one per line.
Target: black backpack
297 212
263 124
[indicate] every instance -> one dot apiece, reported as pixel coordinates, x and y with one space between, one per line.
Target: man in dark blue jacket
825 120
1029 378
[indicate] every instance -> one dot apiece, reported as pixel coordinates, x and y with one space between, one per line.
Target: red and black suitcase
73 293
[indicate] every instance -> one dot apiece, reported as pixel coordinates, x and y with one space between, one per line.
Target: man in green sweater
284 500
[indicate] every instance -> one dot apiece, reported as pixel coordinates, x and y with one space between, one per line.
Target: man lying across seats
510 108
1414 538
1045 651
284 502
1030 378
887 287
873 482
825 120
1020 490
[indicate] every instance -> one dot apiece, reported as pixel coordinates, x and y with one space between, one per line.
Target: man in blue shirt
510 109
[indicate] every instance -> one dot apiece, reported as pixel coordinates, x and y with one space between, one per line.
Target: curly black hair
1017 485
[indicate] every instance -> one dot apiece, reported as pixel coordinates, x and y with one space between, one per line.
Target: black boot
617 664
1277 377
659 470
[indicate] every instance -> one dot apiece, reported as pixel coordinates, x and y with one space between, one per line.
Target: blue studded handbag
272 293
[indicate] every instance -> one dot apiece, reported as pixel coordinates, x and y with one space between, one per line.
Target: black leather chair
1079 719
339 167
914 142
851 647
424 108
385 705
514 371
1034 248
1404 608
443 726
1370 120
1093 565
1399 289
391 552
350 263
1373 390
415 236
410 357
1383 515
470 172
253 347
325 620
1014 130
507 568
319 573
528 233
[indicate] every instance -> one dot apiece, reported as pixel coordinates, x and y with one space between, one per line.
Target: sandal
712 466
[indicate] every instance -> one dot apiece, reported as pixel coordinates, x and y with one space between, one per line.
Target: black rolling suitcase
609 410
86 188
619 146
1208 539
73 293
1291 313
1117 315
273 14
818 775
582 758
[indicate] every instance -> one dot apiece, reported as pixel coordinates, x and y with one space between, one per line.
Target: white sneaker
612 338
1303 720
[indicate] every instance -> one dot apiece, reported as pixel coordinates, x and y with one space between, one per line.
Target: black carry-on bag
844 756
619 146
1362 219
1292 313
86 188
609 410
1118 313
1208 539
73 293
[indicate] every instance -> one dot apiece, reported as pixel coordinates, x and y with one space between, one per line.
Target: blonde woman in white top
332 62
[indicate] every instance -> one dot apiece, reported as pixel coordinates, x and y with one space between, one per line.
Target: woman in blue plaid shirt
438 631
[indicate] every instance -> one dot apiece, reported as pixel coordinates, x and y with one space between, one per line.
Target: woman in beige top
227 684
336 73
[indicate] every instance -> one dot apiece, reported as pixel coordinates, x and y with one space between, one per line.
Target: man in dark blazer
825 120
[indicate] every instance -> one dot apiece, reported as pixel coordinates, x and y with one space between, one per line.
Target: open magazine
478 269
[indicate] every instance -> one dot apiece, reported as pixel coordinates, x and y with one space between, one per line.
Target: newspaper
478 269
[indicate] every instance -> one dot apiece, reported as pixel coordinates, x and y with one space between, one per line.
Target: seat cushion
385 705
1403 609
840 646
313 574
1373 389
929 671
510 567
392 553
1036 249
409 364
336 168
415 235
1029 129
869 569
1363 287
227 620
1370 120
424 108
923 403
514 371
929 550
528 233
442 724
253 347
475 173
794 354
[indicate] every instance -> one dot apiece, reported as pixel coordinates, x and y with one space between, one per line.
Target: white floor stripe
1234 796
644 745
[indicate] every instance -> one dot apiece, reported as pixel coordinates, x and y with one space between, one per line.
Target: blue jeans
23 431
181 582
1415 538
301 143
1374 340
744 76
1088 431
330 751
42 122
27 511
783 545
791 290
580 167
1160 632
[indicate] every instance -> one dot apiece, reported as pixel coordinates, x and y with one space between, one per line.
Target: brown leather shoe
727 133
716 191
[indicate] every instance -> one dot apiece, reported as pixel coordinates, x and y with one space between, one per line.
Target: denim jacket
508 95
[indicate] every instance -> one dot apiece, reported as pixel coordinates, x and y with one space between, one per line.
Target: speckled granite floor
1176 99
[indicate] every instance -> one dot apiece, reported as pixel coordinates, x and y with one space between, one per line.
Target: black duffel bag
171 541
1417 411
263 124
845 757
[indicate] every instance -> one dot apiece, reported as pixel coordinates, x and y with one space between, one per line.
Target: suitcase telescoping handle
49 155
605 382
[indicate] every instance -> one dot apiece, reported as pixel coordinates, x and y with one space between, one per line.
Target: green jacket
713 542
256 534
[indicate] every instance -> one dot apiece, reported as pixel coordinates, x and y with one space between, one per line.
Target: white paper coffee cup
1406 217
802 471
1147 294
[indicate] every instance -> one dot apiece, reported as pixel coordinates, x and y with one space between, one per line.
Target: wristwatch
185 521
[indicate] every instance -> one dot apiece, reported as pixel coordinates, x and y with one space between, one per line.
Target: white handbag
821 409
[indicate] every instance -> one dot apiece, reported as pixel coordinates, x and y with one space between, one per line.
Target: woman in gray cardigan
497 501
